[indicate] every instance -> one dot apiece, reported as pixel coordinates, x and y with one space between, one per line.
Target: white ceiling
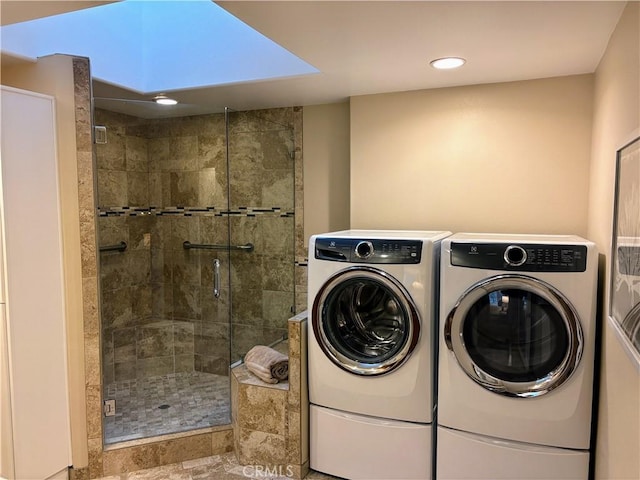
368 47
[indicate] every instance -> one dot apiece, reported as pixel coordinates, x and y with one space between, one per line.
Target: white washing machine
371 352
516 359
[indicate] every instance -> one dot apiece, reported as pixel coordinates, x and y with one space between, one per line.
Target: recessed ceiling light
446 63
164 100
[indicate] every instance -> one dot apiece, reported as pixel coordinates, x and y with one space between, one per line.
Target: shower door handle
216 278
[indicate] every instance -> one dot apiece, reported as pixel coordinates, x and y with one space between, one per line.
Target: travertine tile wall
270 421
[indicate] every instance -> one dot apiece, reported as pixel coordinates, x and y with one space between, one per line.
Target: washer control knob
515 255
364 250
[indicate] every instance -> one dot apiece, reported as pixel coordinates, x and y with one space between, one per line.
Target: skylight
151 46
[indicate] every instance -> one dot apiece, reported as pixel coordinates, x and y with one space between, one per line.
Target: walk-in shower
196 234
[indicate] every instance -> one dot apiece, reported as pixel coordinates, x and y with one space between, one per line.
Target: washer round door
365 321
515 335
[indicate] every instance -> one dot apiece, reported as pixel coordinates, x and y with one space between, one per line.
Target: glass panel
165 337
261 209
365 321
515 335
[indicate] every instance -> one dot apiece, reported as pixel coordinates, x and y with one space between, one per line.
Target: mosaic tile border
195 211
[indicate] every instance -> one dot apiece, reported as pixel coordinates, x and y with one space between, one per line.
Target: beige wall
54 76
326 168
616 121
488 158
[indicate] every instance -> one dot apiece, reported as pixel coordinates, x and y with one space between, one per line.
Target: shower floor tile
166 404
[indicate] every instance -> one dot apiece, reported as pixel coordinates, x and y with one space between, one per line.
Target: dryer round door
365 321
515 335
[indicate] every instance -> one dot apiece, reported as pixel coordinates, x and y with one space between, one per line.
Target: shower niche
196 233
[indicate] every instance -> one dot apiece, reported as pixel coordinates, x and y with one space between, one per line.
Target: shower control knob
515 255
364 250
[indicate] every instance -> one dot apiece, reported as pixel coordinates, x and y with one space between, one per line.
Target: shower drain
164 406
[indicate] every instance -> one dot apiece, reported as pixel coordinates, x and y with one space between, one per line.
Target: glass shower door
261 212
165 332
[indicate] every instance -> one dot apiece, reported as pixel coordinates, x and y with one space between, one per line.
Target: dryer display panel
520 257
365 321
515 335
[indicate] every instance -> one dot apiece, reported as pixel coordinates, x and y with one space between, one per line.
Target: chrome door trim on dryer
456 321
342 326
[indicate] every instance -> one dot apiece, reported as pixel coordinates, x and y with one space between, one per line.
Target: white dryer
516 359
371 352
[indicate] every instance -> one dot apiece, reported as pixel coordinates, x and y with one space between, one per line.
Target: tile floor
217 467
167 404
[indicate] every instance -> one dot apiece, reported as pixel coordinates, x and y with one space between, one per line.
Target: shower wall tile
244 274
243 338
137 188
138 228
277 235
278 273
112 155
139 266
183 228
277 188
116 308
246 183
184 188
187 268
186 302
184 363
114 270
113 230
141 302
276 147
216 364
125 371
124 345
136 154
276 308
212 189
247 307
183 338
151 367
112 188
183 153
154 341
244 230
159 154
212 151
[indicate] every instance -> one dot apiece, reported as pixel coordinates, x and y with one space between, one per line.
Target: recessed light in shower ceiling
157 46
447 63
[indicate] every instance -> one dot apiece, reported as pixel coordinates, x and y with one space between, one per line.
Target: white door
35 321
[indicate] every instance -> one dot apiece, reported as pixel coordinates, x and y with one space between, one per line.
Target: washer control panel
520 257
357 250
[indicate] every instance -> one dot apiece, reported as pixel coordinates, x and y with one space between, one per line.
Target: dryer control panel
520 257
357 250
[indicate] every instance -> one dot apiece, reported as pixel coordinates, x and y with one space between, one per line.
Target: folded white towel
267 364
